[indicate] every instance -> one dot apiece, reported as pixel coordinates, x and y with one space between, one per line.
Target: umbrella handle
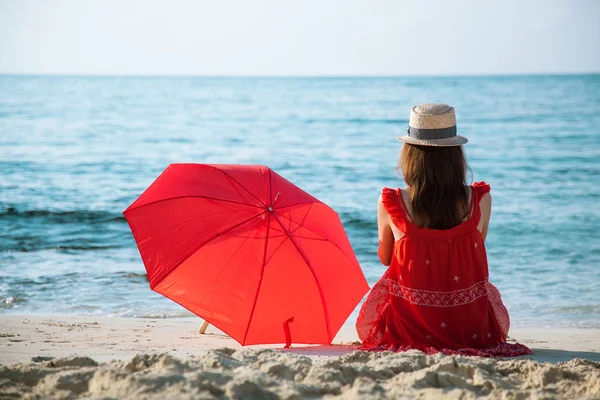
286 330
203 327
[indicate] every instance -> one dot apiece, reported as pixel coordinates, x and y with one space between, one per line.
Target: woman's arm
386 236
485 205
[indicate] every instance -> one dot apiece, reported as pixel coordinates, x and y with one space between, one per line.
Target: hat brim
453 141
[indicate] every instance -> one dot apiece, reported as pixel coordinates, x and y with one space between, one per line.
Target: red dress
435 295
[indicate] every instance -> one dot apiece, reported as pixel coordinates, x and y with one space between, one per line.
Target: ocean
76 151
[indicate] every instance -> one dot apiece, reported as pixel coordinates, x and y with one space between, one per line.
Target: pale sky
301 37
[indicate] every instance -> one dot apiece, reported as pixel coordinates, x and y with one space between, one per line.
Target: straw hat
432 125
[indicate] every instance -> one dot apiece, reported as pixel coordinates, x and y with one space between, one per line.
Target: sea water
76 151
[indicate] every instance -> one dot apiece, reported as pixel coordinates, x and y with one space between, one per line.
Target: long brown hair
437 177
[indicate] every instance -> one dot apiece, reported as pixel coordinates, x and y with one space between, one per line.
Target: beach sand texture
100 357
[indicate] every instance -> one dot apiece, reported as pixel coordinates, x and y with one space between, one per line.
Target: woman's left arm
485 205
386 236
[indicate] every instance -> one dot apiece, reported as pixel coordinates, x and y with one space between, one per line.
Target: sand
99 357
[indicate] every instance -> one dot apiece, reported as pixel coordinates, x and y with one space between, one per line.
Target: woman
435 295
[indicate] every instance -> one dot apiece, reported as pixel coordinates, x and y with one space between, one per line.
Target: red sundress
435 296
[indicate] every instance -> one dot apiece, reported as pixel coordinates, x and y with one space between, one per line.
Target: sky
299 37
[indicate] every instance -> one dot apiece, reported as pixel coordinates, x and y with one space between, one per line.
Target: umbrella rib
178 263
313 274
195 197
203 296
235 180
262 274
321 236
180 225
300 204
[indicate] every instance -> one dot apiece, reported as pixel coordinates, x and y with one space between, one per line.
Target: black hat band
431 134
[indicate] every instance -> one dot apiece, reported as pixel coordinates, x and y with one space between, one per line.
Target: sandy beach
102 357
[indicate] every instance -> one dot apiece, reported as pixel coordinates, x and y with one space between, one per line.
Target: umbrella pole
203 327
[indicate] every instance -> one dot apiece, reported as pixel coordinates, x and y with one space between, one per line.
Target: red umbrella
247 251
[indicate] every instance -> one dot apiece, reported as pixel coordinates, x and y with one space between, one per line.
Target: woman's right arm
386 236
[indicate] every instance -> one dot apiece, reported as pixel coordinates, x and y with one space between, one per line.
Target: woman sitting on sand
435 295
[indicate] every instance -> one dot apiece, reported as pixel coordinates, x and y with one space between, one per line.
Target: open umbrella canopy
248 251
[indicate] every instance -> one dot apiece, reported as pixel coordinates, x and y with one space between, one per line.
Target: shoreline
66 357
23 337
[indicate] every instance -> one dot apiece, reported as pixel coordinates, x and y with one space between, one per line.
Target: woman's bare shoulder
486 199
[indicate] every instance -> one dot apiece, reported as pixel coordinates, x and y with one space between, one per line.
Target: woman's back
485 209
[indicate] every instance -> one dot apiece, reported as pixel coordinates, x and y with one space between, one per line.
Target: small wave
355 121
354 221
85 308
157 315
47 281
10 301
61 217
66 249
70 231
519 119
25 244
133 276
585 309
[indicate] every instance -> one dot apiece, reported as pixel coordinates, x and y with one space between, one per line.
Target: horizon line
291 76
